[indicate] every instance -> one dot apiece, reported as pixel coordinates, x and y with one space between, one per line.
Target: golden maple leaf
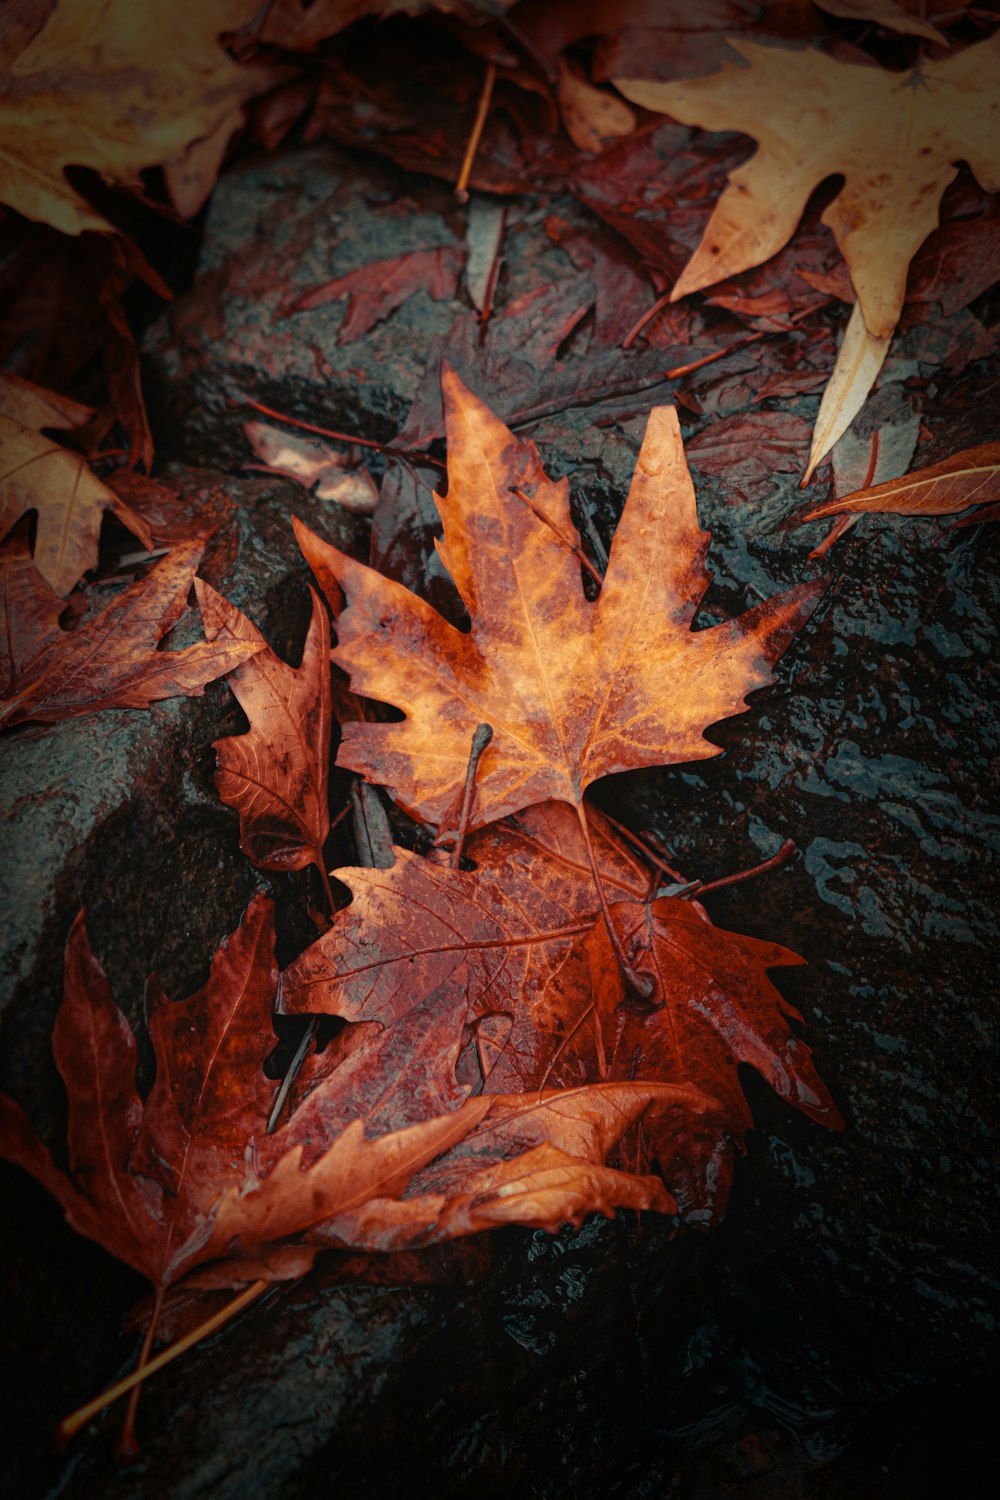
573 689
115 86
895 138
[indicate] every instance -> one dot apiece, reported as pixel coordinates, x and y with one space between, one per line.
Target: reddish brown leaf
573 690
143 1180
36 474
377 289
276 774
112 660
522 936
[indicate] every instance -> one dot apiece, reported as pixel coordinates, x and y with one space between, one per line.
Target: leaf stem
472 147
338 437
128 1449
643 984
787 849
481 738
647 317
291 1073
72 1424
567 541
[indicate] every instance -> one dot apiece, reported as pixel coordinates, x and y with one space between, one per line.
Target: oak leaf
36 474
35 406
276 774
895 139
523 935
573 690
111 661
971 477
117 88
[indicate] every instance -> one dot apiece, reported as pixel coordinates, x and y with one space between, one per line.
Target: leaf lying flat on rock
523 937
36 474
276 774
573 690
112 661
115 87
895 139
968 478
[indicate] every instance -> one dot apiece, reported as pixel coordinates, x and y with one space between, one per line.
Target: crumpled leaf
276 774
573 690
971 477
111 661
522 936
895 139
115 87
36 474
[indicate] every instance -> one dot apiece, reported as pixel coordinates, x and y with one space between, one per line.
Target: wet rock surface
835 1335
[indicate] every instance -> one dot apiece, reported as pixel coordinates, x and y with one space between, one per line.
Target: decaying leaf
36 474
111 661
117 88
276 774
895 138
377 289
522 935
573 690
968 478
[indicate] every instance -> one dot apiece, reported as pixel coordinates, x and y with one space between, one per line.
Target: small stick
127 1449
337 437
787 849
291 1073
574 547
708 359
644 847
462 184
647 317
643 984
78 1419
842 524
480 739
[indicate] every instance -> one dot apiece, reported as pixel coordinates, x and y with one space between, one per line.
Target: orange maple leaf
573 690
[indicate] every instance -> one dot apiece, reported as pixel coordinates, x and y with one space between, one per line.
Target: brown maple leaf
522 936
112 660
276 774
573 690
895 139
108 86
36 474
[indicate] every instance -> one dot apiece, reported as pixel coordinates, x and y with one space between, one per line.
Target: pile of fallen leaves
536 1018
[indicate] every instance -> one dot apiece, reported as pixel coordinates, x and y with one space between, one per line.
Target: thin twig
127 1448
787 849
72 1424
574 547
647 317
643 984
480 739
472 147
337 437
291 1073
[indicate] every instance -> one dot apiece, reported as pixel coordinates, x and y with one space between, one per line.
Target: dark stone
854 1280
